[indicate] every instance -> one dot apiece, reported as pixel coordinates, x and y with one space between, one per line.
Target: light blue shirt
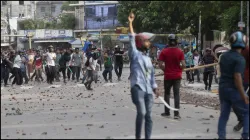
141 68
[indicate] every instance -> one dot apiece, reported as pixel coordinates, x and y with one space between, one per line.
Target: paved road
69 111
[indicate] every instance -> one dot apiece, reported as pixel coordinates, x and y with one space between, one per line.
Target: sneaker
209 89
205 87
238 127
177 117
167 115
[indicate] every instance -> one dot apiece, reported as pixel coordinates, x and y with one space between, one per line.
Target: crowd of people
69 63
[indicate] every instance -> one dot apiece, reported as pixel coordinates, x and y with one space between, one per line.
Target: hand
157 93
246 100
131 17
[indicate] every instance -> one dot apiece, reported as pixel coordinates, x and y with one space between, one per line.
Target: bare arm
162 65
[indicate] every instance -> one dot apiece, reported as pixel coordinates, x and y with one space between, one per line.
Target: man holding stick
142 79
169 62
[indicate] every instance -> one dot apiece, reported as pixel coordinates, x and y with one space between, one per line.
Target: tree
67 21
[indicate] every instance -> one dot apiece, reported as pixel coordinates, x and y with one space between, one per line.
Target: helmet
117 46
172 39
139 38
238 40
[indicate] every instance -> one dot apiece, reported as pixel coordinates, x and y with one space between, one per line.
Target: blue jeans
230 97
143 102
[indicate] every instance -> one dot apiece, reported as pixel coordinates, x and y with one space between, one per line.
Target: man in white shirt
16 70
91 68
50 68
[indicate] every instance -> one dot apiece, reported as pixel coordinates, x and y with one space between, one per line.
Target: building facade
48 9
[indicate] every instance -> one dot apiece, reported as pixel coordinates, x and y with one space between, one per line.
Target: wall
17 9
44 33
48 7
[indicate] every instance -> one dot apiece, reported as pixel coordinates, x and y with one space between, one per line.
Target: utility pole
199 35
241 14
8 26
248 22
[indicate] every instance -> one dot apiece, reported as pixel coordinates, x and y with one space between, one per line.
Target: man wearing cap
142 79
77 59
118 61
169 62
50 68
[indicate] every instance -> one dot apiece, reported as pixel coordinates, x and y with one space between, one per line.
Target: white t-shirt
17 62
50 60
196 60
92 63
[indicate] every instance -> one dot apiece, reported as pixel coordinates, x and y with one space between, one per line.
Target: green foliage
176 16
67 21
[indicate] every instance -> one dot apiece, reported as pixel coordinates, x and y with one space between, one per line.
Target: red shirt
172 58
38 61
245 54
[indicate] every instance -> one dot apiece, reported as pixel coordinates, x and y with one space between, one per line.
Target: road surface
70 111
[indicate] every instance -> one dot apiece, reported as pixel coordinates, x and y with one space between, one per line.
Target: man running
118 61
169 62
231 89
142 79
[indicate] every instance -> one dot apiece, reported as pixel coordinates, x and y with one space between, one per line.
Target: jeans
106 72
237 112
197 72
118 73
6 73
230 97
143 102
168 84
85 76
63 70
69 70
207 75
76 72
24 75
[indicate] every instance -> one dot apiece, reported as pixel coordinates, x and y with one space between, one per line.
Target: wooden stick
193 68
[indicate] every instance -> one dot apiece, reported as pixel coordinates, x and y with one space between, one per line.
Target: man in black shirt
118 61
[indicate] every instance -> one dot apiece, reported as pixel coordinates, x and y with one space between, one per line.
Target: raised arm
132 48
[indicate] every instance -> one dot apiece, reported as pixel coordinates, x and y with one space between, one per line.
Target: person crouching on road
169 62
50 68
231 89
142 79
108 67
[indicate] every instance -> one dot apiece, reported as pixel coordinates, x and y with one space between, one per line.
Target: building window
21 2
90 12
4 2
42 9
53 9
102 10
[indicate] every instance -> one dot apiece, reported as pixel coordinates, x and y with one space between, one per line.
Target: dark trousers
208 76
6 73
50 72
168 84
69 70
18 76
63 70
57 74
190 75
118 67
2 72
76 72
107 70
